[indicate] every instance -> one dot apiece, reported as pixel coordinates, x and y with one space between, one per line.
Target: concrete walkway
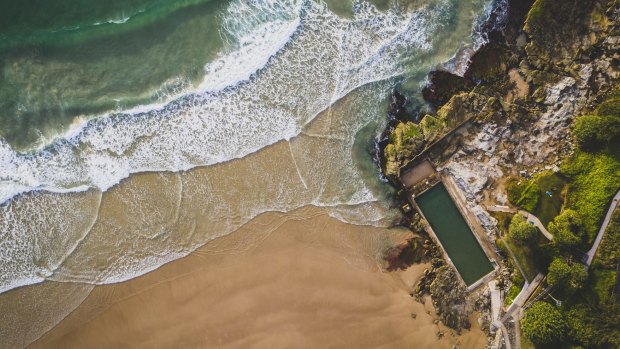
534 220
496 301
525 293
601 232
501 208
530 218
506 337
517 321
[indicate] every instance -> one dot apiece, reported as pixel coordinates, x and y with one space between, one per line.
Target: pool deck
416 174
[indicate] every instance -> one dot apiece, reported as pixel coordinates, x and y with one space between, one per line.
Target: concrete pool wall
454 234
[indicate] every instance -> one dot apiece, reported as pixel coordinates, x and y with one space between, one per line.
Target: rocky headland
508 115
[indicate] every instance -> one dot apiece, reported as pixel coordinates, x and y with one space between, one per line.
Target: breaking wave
285 63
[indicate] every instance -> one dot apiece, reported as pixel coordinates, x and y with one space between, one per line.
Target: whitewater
284 64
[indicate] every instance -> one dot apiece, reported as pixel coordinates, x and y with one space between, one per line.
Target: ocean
134 132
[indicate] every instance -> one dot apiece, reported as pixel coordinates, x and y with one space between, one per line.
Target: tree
521 230
543 324
595 325
567 229
567 278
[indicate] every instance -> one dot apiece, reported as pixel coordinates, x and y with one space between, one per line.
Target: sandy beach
298 279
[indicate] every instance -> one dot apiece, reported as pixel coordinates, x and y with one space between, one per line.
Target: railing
538 297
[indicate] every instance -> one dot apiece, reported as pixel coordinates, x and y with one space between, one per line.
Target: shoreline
298 256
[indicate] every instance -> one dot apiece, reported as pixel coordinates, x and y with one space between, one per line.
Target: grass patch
541 195
551 196
503 220
530 257
594 179
523 193
513 292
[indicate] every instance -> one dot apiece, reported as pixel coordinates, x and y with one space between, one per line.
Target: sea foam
259 93
283 66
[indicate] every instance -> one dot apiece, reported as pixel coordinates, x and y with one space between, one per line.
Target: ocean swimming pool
454 234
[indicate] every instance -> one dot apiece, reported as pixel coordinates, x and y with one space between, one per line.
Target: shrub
521 230
543 324
567 229
594 131
567 278
581 330
608 253
610 107
588 130
595 325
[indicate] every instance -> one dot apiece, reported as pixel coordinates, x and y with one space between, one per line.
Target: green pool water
454 234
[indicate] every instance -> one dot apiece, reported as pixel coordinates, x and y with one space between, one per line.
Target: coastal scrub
544 324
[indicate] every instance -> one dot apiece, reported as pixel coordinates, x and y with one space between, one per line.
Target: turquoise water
76 58
454 234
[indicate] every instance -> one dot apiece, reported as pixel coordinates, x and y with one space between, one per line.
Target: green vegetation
599 130
521 231
544 324
503 219
594 325
611 106
589 304
526 343
567 229
542 195
608 253
594 179
573 203
513 292
594 169
531 257
551 198
567 278
593 313
524 194
602 284
590 131
408 139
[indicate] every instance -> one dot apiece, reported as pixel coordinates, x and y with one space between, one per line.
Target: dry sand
294 280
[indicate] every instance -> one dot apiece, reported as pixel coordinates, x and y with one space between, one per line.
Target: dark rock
555 29
404 255
489 63
517 11
505 21
398 107
448 293
442 85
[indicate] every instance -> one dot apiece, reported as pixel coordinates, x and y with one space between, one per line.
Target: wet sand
297 279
